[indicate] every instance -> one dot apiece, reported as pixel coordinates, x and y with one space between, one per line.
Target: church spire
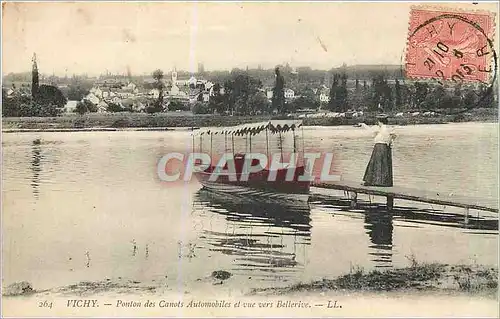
34 78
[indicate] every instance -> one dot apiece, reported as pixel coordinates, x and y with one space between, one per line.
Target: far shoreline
98 122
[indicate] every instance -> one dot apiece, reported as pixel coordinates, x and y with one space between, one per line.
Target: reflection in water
379 223
418 216
449 219
379 227
263 238
36 167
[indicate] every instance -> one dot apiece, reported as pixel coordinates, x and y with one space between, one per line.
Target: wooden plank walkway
410 194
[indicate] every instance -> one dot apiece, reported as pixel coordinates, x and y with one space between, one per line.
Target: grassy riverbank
417 278
161 121
427 290
475 280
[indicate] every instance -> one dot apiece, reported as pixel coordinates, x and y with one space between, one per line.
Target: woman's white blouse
382 134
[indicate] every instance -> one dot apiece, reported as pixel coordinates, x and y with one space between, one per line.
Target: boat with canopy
276 174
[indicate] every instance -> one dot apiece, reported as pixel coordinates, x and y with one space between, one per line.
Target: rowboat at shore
252 175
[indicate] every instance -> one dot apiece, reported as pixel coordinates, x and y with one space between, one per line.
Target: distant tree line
47 101
385 95
244 92
239 94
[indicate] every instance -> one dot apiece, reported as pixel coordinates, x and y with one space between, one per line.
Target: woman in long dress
379 169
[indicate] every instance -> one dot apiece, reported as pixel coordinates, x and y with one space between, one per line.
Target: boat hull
267 195
258 185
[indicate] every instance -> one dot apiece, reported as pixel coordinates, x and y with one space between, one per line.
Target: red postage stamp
450 45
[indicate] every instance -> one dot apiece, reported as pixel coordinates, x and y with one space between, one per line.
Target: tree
81 108
358 100
49 101
114 107
77 92
199 98
307 99
436 98
34 78
158 76
177 106
278 100
397 92
216 102
239 89
382 94
470 98
341 95
421 91
49 94
200 108
387 98
257 103
85 106
305 102
486 97
332 104
10 105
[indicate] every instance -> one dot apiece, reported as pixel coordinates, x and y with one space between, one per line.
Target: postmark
448 45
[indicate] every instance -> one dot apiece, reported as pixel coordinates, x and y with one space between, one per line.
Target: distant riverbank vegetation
188 120
277 92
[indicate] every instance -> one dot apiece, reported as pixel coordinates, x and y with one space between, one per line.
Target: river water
88 206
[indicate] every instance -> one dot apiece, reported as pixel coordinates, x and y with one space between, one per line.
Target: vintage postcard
250 159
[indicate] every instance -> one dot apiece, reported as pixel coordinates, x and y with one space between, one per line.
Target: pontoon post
390 203
250 142
354 200
294 142
246 143
267 146
192 147
303 141
225 142
210 144
201 143
232 141
281 146
466 220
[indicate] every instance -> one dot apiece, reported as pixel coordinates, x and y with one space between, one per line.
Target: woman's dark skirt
379 169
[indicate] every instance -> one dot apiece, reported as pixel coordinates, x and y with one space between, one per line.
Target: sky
95 37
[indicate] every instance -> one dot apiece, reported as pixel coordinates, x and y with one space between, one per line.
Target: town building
70 106
269 94
324 95
129 95
289 94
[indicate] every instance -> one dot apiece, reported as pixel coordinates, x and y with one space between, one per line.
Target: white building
289 94
324 95
96 91
192 81
70 106
208 85
114 100
102 107
154 93
269 94
206 96
131 86
91 97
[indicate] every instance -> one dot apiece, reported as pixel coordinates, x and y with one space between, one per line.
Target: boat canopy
274 126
